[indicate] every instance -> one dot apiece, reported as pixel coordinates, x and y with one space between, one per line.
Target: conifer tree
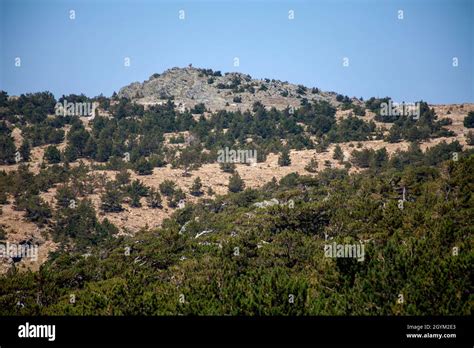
338 154
52 154
196 189
111 200
7 149
284 159
25 150
154 199
236 184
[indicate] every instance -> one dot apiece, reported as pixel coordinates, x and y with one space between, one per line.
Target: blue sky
408 59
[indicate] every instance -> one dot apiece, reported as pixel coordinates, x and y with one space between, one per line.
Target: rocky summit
231 91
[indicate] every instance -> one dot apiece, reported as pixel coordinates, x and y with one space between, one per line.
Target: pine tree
37 210
338 154
135 200
174 199
394 134
321 146
154 199
227 167
167 188
469 120
90 149
111 199
187 157
236 184
380 158
312 166
143 167
104 150
70 154
196 189
52 154
64 196
137 187
25 150
7 149
122 178
284 159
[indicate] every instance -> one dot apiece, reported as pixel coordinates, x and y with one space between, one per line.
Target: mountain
136 211
231 91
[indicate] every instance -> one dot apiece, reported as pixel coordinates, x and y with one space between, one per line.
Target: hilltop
232 91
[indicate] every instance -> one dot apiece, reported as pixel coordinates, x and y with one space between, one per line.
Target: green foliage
25 150
175 198
122 178
177 140
138 188
111 199
65 197
154 199
52 154
70 154
143 167
167 187
374 104
34 107
312 166
135 200
394 134
125 108
351 129
301 89
135 191
251 259
442 152
196 189
36 210
79 225
284 159
358 110
7 149
338 154
417 127
189 156
199 108
369 158
42 134
236 184
227 167
469 120
274 262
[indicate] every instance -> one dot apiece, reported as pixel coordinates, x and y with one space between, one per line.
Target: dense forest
230 255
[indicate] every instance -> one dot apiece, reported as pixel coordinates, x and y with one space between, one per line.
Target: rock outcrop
231 91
